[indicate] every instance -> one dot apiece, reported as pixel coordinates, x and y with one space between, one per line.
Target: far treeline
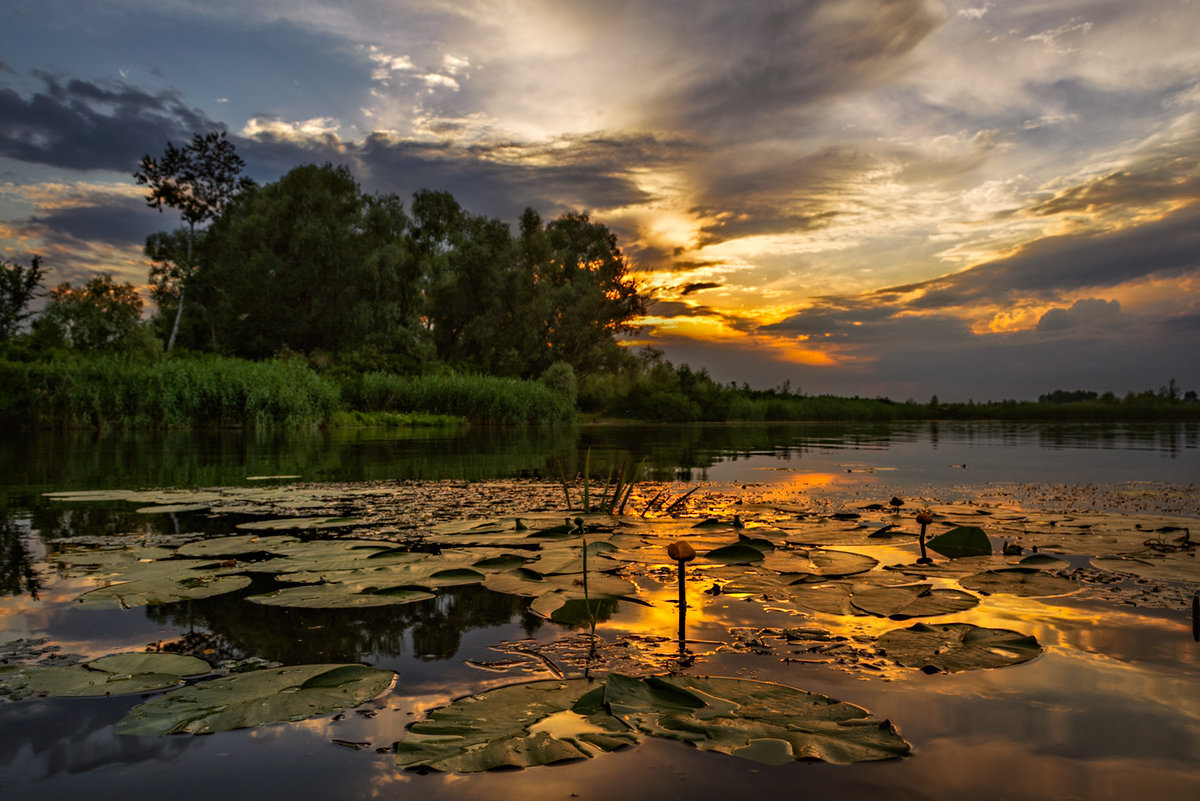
307 302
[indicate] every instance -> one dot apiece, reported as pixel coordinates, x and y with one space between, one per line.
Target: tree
198 180
310 263
102 315
17 288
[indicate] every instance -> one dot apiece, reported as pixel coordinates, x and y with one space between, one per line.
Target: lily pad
234 546
110 675
551 592
1156 567
256 699
341 595
961 541
953 647
819 562
755 720
516 726
911 600
163 581
1021 581
552 721
738 553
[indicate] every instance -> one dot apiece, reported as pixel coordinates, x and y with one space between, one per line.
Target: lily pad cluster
552 721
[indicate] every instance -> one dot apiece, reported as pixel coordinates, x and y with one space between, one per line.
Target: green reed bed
118 392
477 398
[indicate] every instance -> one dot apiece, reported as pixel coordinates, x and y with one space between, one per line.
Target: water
1108 711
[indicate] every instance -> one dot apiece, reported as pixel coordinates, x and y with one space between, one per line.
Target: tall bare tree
198 180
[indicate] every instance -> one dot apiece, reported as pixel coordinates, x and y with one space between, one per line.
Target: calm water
1109 711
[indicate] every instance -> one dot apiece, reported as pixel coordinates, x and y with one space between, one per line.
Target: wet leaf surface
953 647
257 698
552 721
117 674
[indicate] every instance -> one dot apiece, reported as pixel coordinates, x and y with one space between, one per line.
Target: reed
476 398
114 391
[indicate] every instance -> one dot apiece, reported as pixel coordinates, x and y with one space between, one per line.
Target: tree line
313 265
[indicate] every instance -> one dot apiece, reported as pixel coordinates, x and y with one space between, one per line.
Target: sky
903 198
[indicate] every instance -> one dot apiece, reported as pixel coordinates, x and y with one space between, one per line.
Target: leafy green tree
592 296
198 180
102 315
18 285
310 263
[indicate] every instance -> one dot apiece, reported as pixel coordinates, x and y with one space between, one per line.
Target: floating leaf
341 595
961 541
1156 567
756 720
911 600
516 726
110 675
164 581
134 662
1022 581
552 721
288 523
551 592
234 546
257 698
739 553
952 647
819 562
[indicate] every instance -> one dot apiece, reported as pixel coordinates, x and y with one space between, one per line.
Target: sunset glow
974 199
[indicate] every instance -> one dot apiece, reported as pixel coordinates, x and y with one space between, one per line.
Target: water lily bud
924 518
681 552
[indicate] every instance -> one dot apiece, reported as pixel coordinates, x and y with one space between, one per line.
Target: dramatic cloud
85 125
866 196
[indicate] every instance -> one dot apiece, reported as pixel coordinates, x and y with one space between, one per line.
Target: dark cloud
1124 188
1082 314
699 286
119 222
1063 264
756 62
85 125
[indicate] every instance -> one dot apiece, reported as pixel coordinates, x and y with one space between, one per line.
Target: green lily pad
516 726
896 602
961 541
739 553
1021 581
953 647
110 675
234 546
551 592
290 523
819 562
135 662
256 699
551 721
756 720
161 582
341 595
911 600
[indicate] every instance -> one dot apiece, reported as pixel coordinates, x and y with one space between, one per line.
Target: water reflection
428 630
17 560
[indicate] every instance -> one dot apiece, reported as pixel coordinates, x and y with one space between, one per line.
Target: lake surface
1108 710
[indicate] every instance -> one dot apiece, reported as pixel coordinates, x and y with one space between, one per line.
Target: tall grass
119 392
477 398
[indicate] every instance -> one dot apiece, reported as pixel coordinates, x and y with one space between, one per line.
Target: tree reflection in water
430 630
17 576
